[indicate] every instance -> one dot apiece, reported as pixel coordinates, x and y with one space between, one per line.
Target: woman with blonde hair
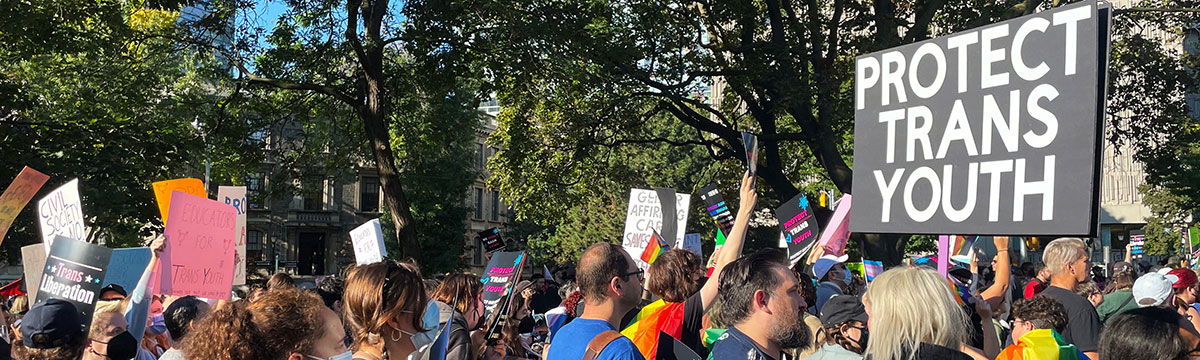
912 314
388 311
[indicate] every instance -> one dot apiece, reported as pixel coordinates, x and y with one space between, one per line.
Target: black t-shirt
693 324
1083 324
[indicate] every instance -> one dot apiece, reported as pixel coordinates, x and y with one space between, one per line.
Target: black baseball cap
114 288
842 308
51 324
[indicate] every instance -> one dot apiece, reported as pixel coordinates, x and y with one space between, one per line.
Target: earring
398 336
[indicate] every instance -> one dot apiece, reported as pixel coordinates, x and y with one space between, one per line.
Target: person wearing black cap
845 326
50 330
113 292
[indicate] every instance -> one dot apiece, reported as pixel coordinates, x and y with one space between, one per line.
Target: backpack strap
599 342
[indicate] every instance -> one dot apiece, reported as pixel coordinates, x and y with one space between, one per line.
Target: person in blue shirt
611 284
761 298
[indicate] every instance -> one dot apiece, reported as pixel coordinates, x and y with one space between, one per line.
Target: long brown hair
459 291
378 293
281 322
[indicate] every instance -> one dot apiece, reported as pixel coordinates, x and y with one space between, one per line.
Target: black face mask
122 347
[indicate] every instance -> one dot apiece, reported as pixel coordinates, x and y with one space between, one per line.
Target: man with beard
761 298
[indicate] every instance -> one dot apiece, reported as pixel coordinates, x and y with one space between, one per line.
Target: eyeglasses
640 274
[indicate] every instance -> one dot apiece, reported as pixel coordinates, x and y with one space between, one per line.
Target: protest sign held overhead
163 189
645 215
368 243
73 273
490 240
236 196
198 260
798 225
33 260
837 231
1137 241
502 272
126 266
751 143
60 213
717 208
19 192
993 130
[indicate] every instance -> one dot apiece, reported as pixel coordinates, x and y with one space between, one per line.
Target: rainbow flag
1041 344
656 246
658 316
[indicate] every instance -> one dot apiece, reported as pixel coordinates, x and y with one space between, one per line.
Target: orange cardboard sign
22 189
163 189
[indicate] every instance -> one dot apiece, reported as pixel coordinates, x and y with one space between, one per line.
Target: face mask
122 347
157 324
847 276
343 356
429 322
862 338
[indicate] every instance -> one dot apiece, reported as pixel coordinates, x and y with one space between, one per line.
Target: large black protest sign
992 131
798 225
503 271
73 272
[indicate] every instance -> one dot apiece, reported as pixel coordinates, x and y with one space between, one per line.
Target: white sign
368 243
61 214
236 196
645 214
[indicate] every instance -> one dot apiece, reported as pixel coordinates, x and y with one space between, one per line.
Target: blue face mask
157 324
430 320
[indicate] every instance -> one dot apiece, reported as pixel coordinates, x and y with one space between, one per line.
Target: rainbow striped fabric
1041 344
656 246
661 316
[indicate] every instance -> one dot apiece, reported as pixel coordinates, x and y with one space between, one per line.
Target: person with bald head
611 284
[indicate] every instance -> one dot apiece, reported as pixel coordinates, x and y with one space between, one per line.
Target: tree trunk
888 248
389 179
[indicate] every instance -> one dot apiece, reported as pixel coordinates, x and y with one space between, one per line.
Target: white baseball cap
822 265
1153 289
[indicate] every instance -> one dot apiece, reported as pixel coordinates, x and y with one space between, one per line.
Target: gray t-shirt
172 354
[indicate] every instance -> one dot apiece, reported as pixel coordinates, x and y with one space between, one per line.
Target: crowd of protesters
751 306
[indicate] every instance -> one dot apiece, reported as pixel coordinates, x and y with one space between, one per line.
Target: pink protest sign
201 238
837 232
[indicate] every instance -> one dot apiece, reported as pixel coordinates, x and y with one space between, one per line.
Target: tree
585 75
100 99
358 54
1168 224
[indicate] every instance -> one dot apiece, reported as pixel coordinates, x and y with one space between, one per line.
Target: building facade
307 232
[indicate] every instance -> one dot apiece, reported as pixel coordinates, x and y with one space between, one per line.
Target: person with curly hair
285 323
1037 320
